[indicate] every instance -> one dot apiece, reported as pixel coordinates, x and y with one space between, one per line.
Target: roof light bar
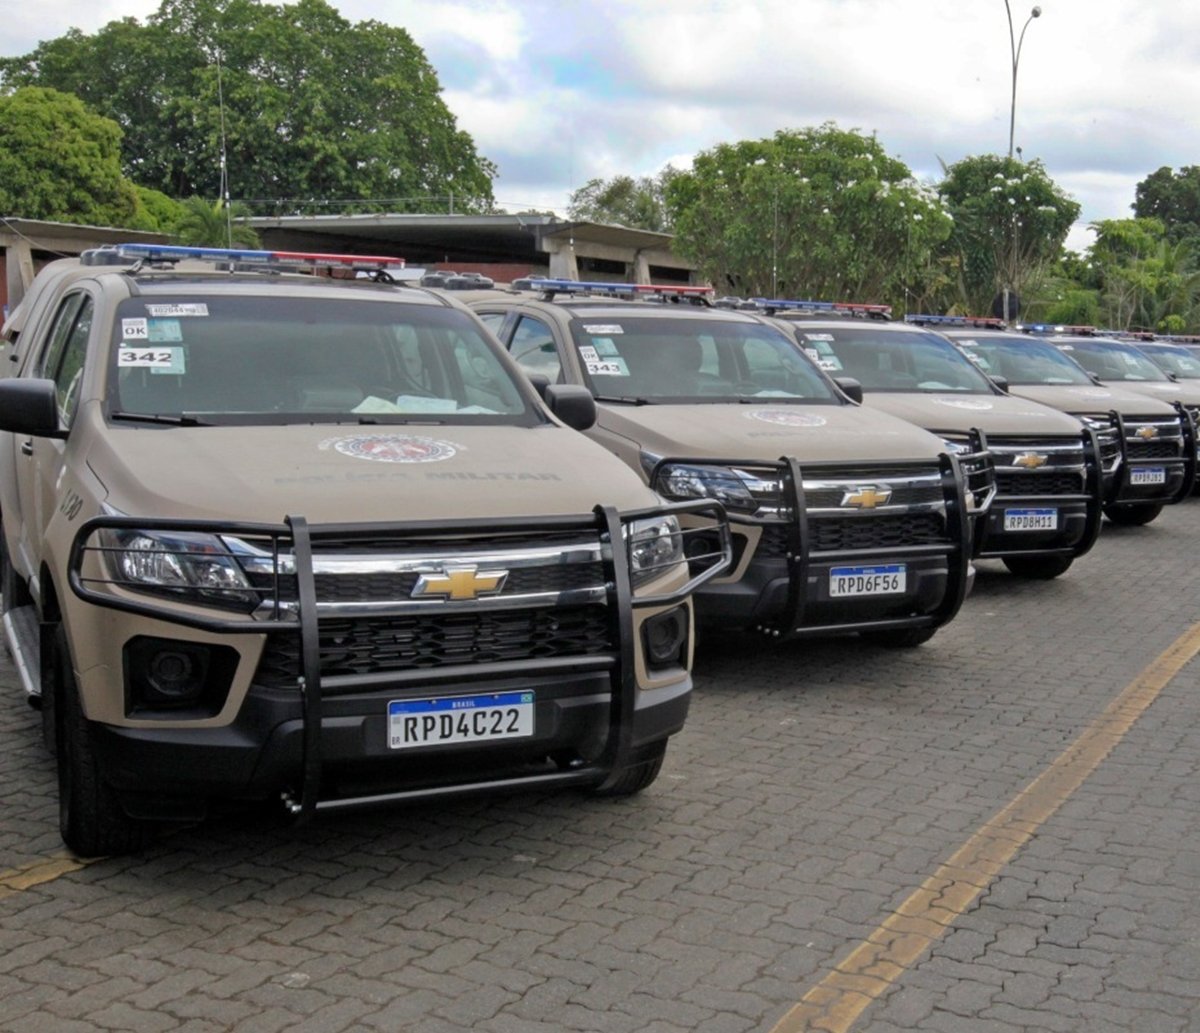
1056 328
990 322
822 306
539 283
1180 338
306 259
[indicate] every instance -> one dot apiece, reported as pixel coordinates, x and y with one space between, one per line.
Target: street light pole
1014 45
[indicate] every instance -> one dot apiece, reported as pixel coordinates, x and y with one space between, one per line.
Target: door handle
27 447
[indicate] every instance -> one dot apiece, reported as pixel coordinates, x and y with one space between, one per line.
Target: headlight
1095 422
654 544
685 481
185 565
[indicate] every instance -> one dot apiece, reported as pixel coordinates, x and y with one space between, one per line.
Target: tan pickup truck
270 534
844 519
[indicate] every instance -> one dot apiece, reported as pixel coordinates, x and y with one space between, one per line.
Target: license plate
888 579
1148 475
1030 519
455 719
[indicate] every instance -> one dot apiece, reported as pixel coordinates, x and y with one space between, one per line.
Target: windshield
240 359
647 359
882 359
1111 360
1173 359
1022 361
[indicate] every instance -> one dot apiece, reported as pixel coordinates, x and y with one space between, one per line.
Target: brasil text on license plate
883 579
453 719
1148 475
1030 519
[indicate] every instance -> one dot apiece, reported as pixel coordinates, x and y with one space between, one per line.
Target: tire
1039 568
91 819
1136 515
899 638
636 776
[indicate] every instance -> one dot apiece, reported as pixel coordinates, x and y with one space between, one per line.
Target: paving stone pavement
814 787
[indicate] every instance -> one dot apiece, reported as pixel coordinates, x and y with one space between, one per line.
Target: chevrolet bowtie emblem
1030 460
466 582
1146 433
867 497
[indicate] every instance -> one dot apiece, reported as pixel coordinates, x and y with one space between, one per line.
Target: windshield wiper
182 420
624 399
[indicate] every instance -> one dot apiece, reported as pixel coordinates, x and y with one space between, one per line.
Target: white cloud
557 93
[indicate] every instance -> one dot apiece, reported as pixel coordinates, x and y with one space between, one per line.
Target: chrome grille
1062 470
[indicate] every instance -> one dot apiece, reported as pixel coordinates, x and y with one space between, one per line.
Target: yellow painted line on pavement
17 880
833 1004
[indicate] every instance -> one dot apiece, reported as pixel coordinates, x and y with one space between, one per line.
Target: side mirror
572 404
851 388
29 407
1001 382
1095 379
540 382
1173 377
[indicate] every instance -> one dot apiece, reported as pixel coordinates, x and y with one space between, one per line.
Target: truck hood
766 432
956 413
1085 398
1184 391
330 473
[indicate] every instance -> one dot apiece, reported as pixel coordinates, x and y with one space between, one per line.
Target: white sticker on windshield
588 353
170 359
818 337
191 308
831 364
604 329
607 367
1130 360
134 330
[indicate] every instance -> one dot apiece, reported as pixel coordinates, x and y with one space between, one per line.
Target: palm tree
212 225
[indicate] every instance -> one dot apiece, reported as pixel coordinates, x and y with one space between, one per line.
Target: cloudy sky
557 92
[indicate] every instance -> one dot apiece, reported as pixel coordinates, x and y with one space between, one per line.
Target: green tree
212 225
1148 281
1173 198
60 161
309 105
1010 222
822 213
159 213
625 201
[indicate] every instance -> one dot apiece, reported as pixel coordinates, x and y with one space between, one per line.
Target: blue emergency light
539 283
306 259
823 306
977 321
1053 328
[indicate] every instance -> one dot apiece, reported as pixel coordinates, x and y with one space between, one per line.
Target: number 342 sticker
151 358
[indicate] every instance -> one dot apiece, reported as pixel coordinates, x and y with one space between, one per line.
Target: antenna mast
223 189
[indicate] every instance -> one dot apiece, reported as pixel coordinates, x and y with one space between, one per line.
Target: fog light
172 674
665 638
163 674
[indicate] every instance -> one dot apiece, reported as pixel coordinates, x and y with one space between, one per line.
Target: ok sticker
135 330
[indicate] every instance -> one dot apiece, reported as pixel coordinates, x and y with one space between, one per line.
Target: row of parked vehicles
270 534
